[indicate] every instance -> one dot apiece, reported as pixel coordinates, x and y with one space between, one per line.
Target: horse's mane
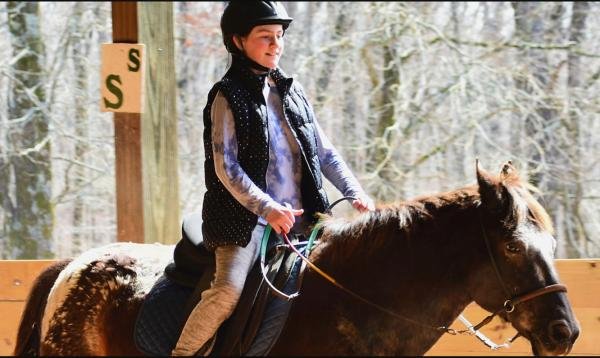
405 216
526 207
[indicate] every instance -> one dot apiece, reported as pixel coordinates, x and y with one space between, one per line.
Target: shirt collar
255 82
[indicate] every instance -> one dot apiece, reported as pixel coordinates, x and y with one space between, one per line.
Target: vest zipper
268 135
268 149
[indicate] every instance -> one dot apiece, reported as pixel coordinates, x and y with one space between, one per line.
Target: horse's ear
509 174
491 190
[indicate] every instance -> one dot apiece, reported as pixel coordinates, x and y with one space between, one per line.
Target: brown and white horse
417 263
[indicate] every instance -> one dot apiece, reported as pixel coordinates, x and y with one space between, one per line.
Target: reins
308 248
508 306
323 274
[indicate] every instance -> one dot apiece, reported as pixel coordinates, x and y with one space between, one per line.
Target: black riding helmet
240 16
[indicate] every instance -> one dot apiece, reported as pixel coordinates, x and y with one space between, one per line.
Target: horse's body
425 260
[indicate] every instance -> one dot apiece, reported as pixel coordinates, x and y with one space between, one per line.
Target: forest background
410 93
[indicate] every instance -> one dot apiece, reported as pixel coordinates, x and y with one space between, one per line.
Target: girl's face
264 44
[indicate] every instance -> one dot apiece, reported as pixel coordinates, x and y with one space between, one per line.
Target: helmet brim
273 20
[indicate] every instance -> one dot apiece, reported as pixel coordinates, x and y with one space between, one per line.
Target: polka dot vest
224 220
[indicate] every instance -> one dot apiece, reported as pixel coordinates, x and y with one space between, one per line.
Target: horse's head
519 246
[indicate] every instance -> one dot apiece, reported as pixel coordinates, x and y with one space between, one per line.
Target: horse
404 272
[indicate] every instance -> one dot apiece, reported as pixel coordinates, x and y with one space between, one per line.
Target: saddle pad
161 317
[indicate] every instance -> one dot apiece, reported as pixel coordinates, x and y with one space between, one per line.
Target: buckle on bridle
509 306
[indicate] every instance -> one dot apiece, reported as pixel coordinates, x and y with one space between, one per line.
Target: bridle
508 306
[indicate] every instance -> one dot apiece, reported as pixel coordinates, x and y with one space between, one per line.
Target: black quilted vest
224 220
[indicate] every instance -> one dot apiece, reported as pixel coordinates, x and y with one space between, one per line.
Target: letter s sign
122 78
114 89
134 57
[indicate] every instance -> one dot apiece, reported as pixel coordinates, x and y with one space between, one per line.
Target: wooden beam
16 279
128 149
159 124
582 277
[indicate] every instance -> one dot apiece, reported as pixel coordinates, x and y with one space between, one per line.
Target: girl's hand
282 218
363 204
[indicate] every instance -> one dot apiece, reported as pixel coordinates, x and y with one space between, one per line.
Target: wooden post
128 150
146 143
159 124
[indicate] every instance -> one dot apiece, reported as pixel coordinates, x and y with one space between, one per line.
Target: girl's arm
338 173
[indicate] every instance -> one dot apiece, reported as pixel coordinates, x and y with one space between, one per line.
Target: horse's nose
559 331
575 334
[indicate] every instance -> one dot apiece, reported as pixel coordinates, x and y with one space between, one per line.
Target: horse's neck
417 273
422 252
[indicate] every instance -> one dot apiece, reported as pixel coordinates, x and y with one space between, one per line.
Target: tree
28 211
80 46
574 222
535 23
533 80
386 82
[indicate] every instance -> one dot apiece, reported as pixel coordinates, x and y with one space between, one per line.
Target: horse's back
91 308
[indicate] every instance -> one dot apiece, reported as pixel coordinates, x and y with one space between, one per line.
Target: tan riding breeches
233 263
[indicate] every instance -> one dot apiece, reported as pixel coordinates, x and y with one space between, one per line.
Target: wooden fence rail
581 276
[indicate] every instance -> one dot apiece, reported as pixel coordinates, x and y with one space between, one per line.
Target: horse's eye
513 248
